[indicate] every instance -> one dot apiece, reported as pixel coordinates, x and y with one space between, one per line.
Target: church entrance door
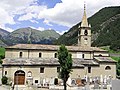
19 77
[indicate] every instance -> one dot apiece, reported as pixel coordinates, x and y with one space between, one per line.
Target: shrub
4 80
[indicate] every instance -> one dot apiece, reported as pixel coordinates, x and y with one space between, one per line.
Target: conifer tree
65 61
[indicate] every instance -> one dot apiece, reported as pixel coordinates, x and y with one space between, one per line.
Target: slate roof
105 59
52 47
45 61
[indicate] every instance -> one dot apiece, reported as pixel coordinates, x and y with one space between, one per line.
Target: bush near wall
4 80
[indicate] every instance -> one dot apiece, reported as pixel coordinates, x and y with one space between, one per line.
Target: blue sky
59 15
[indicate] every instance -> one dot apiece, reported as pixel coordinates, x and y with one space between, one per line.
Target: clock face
86 32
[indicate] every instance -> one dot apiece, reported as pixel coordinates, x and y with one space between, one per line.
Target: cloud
47 22
6 28
9 9
61 32
34 21
39 28
31 12
69 12
5 17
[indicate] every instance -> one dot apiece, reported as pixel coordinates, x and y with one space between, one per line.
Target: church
39 64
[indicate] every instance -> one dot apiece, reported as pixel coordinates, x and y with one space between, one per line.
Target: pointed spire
84 22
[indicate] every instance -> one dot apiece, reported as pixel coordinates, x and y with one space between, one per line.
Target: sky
59 15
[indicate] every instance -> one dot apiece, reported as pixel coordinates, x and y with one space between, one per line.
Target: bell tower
84 33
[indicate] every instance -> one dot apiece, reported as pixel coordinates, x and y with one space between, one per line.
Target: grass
115 58
109 50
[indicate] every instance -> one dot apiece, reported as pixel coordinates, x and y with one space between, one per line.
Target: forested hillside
105 29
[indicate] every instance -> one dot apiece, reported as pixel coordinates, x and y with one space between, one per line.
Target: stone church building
39 63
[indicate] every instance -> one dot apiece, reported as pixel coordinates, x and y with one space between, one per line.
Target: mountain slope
3 33
29 35
105 28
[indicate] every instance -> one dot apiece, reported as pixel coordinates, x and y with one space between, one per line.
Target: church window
20 54
58 69
100 54
107 68
29 74
41 69
55 55
86 32
89 69
40 54
36 81
5 72
83 55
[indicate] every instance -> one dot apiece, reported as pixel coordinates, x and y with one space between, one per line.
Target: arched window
29 74
83 55
41 69
5 72
86 32
89 69
55 55
40 54
100 54
107 68
20 55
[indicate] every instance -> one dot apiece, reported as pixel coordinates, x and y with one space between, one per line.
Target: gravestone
101 86
105 86
73 82
69 81
96 86
87 86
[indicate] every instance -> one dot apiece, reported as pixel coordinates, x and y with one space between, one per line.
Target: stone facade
30 61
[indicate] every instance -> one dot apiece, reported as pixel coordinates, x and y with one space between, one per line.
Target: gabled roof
45 61
52 47
105 59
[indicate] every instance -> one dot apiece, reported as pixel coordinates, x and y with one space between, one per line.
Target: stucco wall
51 72
100 70
44 54
101 53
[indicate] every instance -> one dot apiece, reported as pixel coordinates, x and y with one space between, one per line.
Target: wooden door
19 78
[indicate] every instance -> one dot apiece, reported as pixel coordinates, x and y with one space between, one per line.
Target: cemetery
86 83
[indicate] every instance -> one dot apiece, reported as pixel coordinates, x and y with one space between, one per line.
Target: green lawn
115 58
109 50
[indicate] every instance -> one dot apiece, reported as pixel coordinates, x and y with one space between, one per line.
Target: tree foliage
2 54
65 61
1 61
